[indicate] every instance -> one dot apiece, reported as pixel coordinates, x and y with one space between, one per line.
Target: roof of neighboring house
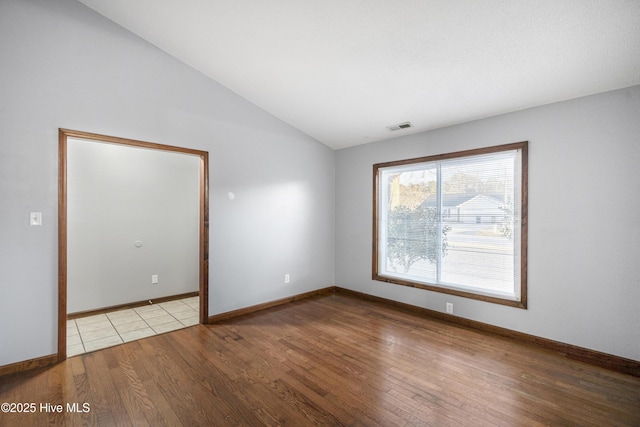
457 199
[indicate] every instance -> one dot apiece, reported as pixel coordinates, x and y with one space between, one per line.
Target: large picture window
455 223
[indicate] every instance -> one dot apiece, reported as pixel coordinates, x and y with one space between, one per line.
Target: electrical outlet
154 279
450 307
287 278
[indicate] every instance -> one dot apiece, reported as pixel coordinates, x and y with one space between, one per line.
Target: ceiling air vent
399 126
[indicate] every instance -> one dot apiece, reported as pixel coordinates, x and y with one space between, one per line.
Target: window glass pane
477 204
411 226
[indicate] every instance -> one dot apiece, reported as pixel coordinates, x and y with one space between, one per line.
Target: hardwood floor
328 360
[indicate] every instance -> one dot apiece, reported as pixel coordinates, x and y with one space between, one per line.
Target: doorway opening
201 157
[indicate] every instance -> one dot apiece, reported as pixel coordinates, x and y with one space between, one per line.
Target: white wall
65 66
584 219
131 213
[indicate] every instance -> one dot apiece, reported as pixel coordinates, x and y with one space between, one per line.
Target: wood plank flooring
329 360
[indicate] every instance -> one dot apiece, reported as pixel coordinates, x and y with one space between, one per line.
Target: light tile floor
91 333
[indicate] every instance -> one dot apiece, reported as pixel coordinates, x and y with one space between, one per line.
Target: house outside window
454 223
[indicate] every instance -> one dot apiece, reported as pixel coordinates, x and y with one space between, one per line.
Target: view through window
454 223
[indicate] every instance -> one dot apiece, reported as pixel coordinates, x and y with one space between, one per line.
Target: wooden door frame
63 135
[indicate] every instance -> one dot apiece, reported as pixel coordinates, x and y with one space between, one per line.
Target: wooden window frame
522 302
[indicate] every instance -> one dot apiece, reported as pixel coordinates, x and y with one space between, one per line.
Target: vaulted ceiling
342 71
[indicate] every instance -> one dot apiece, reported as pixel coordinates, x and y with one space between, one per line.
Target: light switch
35 218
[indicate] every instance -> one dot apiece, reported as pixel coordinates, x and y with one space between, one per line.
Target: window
455 223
